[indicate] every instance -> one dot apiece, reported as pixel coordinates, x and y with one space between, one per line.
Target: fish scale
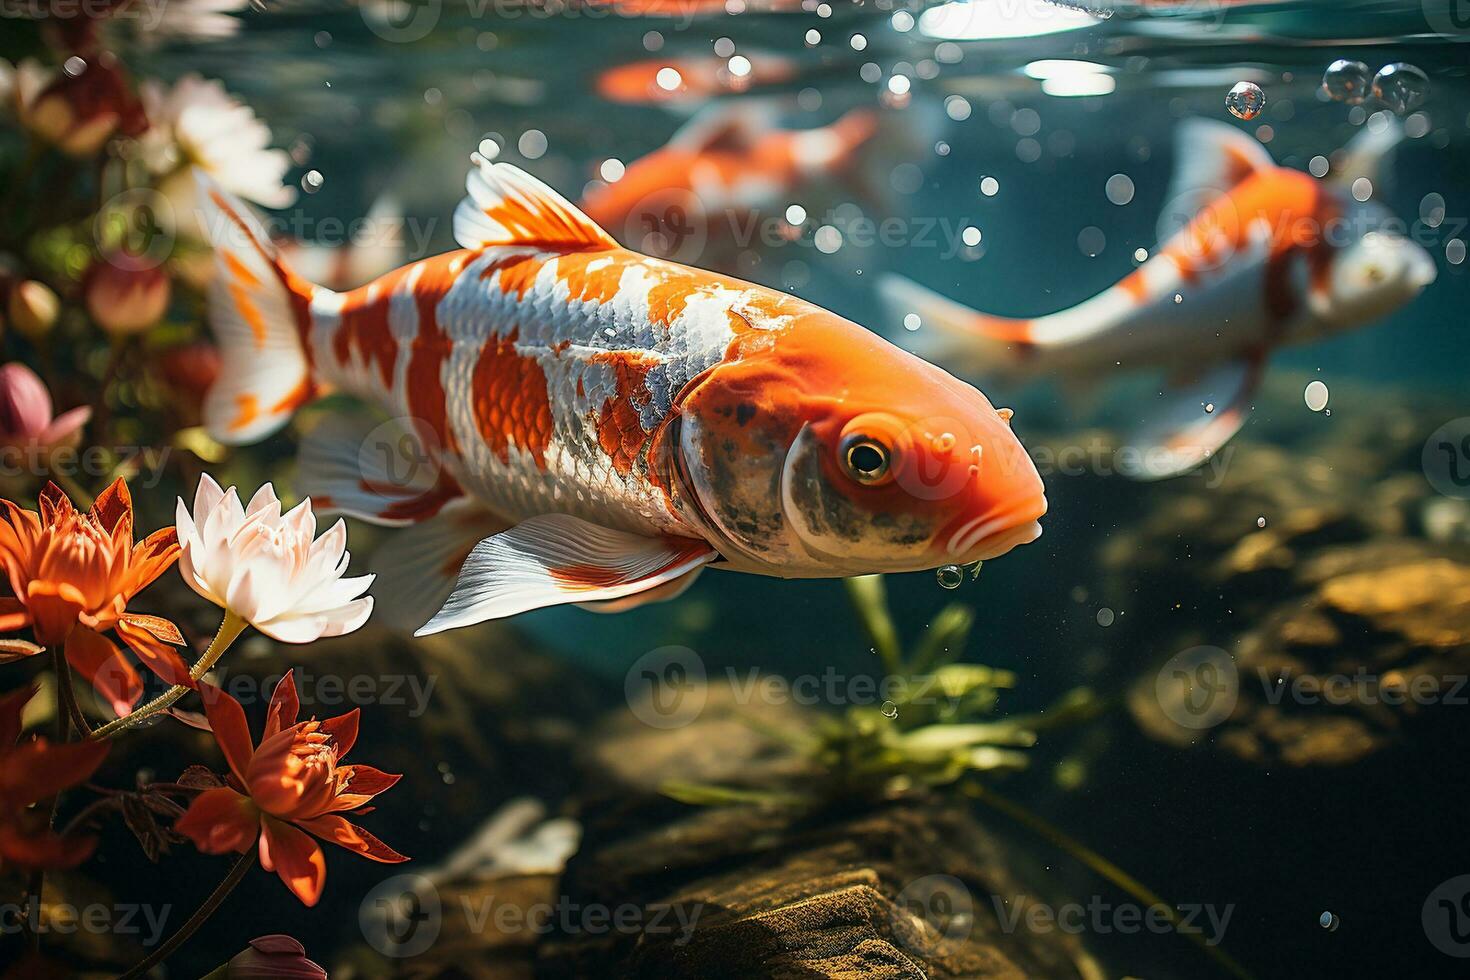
569 341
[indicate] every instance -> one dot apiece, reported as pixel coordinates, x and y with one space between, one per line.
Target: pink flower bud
125 295
271 957
25 411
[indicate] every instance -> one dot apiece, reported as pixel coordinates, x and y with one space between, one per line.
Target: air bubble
1105 617
1346 81
1245 100
1401 87
1316 396
950 576
1260 522
889 709
1329 921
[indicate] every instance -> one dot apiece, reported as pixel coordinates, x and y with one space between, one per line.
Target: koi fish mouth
992 535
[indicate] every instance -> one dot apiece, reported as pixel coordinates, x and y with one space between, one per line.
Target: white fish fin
1184 434
354 463
671 589
417 569
952 334
508 207
258 310
555 559
1210 157
1368 154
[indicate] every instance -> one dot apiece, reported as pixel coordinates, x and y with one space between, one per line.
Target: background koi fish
724 165
1266 256
598 425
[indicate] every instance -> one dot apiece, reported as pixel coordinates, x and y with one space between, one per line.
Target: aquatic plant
938 729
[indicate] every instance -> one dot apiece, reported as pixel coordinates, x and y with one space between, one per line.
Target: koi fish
648 82
1266 256
729 162
597 426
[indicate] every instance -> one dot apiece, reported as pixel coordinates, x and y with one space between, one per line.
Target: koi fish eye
866 459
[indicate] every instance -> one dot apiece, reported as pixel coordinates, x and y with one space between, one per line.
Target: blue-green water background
402 117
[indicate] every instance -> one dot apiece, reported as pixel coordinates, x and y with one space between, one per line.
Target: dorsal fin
1210 158
507 206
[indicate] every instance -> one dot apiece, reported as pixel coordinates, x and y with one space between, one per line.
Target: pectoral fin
556 559
1197 421
417 567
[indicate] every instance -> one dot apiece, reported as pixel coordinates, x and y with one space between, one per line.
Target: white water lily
199 124
263 567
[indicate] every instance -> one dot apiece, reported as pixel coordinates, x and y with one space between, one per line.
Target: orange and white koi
654 81
1254 256
728 162
596 425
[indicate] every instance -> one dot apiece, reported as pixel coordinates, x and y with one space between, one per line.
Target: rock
1428 602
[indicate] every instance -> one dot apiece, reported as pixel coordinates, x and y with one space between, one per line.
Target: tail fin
259 310
953 335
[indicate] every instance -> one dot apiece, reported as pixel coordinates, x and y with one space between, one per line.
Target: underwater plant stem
229 630
200 916
870 601
66 694
36 881
1103 867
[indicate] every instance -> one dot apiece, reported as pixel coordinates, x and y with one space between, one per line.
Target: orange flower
291 783
33 770
73 574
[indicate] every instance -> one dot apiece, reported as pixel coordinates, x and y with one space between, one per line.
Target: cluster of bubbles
1400 86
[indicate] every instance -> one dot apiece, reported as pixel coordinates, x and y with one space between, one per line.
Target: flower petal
284 706
155 654
295 857
37 770
342 832
13 615
99 660
362 783
343 730
227 719
54 608
219 821
113 510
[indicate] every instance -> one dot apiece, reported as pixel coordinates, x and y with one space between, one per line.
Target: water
1024 160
